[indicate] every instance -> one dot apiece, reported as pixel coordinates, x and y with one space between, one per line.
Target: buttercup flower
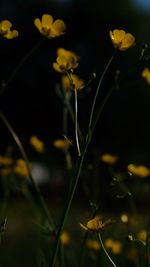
65 238
5 30
62 144
113 245
141 235
78 83
66 60
5 160
37 144
109 159
48 27
122 40
139 170
93 244
146 75
96 224
21 168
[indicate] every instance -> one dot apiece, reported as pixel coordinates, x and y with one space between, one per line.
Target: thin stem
103 247
76 111
20 64
98 87
76 122
82 250
79 167
73 119
147 245
68 205
35 188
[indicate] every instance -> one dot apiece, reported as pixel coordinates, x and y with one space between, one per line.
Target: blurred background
32 106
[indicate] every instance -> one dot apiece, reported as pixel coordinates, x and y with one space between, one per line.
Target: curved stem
101 242
68 205
98 87
35 188
20 64
76 122
78 168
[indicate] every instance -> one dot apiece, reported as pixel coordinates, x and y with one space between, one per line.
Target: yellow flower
61 144
6 171
139 170
114 246
146 75
122 40
78 83
96 224
48 27
108 158
66 60
21 168
37 144
5 160
93 244
65 238
5 30
141 235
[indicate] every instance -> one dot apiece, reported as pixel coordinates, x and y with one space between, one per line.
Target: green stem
35 188
98 88
78 170
20 64
82 250
76 122
68 205
73 119
147 245
105 251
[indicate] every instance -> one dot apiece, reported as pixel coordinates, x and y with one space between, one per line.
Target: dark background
30 102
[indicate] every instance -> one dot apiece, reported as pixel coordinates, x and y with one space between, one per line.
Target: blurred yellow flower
21 168
5 30
146 75
65 238
6 171
66 60
48 27
139 170
122 40
141 235
6 160
62 144
78 83
114 246
93 244
37 144
96 224
109 159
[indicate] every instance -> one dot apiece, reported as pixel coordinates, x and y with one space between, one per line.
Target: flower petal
58 28
38 24
11 34
5 25
127 42
47 21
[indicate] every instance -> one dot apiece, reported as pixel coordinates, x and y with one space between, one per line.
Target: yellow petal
5 25
11 34
83 226
118 35
58 28
47 21
57 67
38 24
127 42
